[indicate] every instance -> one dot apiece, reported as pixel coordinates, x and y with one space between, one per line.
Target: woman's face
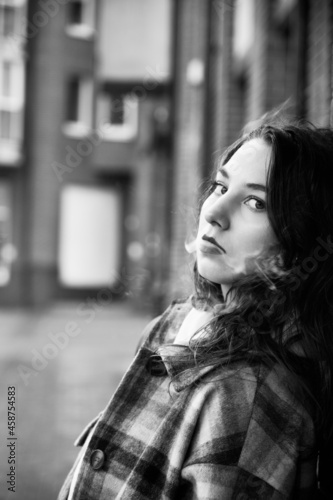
234 227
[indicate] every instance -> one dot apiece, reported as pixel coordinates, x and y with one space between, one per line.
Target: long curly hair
284 310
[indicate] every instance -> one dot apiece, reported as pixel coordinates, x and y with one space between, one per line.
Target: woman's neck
194 321
229 296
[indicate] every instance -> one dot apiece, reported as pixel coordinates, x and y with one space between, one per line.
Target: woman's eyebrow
258 187
223 172
251 185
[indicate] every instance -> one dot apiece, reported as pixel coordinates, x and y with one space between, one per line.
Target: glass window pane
6 79
16 125
72 111
5 119
75 12
90 232
117 110
7 250
7 14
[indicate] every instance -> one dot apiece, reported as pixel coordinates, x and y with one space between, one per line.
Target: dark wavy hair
284 310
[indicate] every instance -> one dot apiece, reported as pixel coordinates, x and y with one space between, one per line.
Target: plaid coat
176 431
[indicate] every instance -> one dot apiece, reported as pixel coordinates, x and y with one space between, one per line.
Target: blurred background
112 113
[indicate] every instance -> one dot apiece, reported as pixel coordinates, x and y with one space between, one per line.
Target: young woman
229 396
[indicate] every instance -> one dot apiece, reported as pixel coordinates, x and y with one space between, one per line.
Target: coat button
97 459
155 366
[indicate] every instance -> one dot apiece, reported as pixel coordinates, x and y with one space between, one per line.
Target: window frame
124 132
83 125
87 28
13 104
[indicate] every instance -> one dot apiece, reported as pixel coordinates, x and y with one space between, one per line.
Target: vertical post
189 94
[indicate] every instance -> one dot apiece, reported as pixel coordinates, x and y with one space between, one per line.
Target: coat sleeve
80 440
253 440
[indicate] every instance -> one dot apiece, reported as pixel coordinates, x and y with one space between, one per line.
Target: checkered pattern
238 432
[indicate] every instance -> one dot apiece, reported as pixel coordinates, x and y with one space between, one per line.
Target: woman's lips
211 245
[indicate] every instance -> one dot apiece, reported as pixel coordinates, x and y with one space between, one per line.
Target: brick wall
290 59
272 73
319 84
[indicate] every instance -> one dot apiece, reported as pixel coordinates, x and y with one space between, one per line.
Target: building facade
235 61
12 103
109 129
85 160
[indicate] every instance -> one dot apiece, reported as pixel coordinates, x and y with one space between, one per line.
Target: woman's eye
219 188
255 204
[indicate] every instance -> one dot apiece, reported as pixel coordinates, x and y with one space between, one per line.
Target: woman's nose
216 214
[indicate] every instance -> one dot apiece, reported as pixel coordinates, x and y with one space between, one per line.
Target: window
12 17
7 20
117 116
75 10
90 235
5 124
11 109
244 31
81 18
10 125
11 85
8 252
6 78
12 81
73 96
79 103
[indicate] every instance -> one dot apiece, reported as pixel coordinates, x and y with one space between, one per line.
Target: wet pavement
65 363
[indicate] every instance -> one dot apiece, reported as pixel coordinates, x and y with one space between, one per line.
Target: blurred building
85 148
12 91
112 113
236 60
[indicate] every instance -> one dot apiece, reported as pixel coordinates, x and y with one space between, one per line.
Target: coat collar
180 364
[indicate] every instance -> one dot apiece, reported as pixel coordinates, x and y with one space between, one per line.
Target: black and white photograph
166 249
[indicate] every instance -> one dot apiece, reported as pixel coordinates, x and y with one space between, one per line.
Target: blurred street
55 401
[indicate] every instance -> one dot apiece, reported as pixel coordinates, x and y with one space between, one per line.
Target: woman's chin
210 274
